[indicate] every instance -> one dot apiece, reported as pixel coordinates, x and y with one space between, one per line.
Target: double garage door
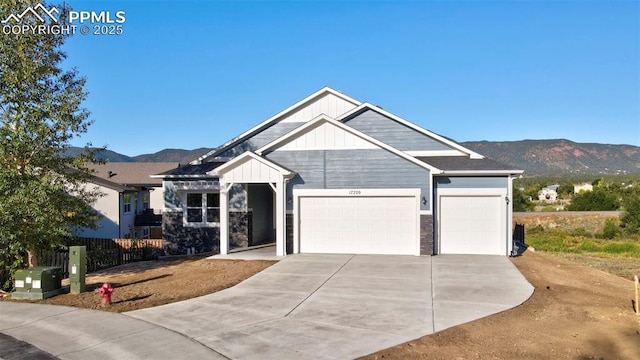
359 222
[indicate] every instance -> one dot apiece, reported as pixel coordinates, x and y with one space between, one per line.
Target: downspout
120 210
509 202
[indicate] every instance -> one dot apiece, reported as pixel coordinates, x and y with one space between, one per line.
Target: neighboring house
549 193
582 187
132 201
331 174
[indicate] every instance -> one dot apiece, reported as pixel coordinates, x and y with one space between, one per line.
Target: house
548 194
132 201
582 187
331 174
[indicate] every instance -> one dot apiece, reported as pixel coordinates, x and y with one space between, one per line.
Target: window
126 199
213 207
202 208
194 208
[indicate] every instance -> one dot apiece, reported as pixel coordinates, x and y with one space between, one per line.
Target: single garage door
472 224
359 224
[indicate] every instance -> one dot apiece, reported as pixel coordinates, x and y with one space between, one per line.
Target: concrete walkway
305 306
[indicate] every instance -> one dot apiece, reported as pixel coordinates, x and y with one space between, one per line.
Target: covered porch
265 212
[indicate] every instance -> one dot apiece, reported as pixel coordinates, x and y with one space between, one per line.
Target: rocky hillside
561 156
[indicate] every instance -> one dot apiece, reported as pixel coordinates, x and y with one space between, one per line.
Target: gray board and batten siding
260 139
393 133
353 169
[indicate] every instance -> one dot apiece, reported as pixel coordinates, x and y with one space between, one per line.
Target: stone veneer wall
181 240
426 235
289 233
239 230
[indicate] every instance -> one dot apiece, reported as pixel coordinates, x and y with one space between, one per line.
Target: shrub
596 200
610 230
521 201
630 220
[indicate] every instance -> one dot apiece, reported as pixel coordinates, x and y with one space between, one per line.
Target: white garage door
359 225
472 225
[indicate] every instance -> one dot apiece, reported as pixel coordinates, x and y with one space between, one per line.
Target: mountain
108 155
561 156
535 157
173 155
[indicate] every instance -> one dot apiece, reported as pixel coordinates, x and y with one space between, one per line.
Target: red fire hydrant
105 291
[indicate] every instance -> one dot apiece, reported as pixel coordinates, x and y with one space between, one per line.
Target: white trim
204 223
453 144
480 192
275 118
323 118
181 176
481 172
435 153
273 186
299 193
509 216
361 192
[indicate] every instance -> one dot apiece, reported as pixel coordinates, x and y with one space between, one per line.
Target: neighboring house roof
552 187
110 184
461 164
132 173
199 170
274 119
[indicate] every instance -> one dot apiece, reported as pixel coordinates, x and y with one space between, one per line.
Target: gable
328 104
398 135
326 136
251 168
324 133
325 101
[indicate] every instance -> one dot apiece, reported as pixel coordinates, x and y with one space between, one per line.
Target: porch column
224 219
280 218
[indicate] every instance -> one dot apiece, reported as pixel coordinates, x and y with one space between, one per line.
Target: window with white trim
202 208
126 199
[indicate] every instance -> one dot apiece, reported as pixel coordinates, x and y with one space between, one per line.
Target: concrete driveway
343 306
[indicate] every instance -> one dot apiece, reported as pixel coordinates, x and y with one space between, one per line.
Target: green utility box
37 283
77 268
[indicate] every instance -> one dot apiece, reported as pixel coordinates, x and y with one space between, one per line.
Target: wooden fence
104 253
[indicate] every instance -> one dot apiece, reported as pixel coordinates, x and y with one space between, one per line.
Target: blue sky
195 74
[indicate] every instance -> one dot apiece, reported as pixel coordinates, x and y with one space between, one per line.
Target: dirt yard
576 312
151 283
